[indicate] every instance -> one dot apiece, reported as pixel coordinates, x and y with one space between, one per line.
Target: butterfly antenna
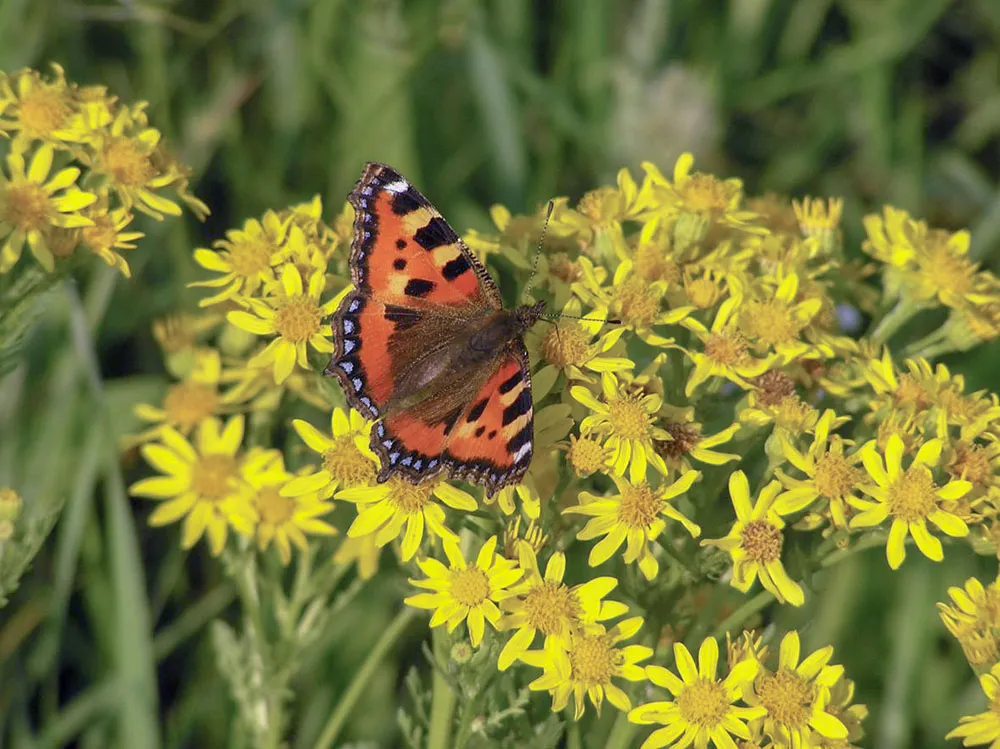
560 316
538 250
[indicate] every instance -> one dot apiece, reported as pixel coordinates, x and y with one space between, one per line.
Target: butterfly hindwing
419 292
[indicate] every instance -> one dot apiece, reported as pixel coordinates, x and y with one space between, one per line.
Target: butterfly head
528 314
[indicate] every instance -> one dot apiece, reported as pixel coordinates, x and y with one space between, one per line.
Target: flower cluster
738 363
80 164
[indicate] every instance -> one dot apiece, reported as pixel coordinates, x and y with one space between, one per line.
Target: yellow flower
245 258
253 387
601 210
31 205
295 315
820 220
842 708
973 618
397 502
775 323
38 109
630 298
364 551
755 542
633 516
202 483
587 455
910 498
982 728
283 520
463 592
703 707
107 234
568 347
628 421
586 666
348 460
686 442
796 696
547 605
189 402
725 351
830 474
528 496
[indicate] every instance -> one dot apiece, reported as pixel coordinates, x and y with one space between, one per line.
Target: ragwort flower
245 258
464 592
634 517
348 460
703 707
295 315
982 728
38 109
547 605
586 666
386 508
756 540
911 498
202 483
31 205
107 236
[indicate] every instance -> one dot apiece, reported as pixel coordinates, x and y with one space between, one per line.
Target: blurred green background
477 101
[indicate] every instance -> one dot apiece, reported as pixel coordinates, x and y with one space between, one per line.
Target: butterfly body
425 347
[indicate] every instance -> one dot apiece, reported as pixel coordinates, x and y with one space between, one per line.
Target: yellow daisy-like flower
464 592
819 219
774 324
911 498
602 209
282 520
568 347
295 315
627 419
202 483
982 728
703 708
107 235
546 604
396 503
189 402
973 618
31 204
586 666
245 258
633 516
830 474
37 109
755 542
253 388
587 455
527 495
686 443
348 460
796 696
725 351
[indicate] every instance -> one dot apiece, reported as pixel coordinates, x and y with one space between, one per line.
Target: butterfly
425 348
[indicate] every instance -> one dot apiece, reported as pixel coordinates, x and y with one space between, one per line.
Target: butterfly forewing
420 295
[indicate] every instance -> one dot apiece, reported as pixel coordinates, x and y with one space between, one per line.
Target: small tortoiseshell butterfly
425 346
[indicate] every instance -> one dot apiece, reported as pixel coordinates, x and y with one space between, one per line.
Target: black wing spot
479 431
418 287
520 406
492 434
456 267
435 234
406 202
511 382
399 264
520 439
477 410
401 317
400 244
450 419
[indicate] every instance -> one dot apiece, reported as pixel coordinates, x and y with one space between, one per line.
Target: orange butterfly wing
407 263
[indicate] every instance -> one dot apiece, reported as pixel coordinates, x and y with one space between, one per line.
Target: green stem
442 699
744 612
894 320
621 733
349 700
573 740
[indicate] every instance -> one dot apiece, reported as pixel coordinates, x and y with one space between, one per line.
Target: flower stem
621 733
744 612
442 700
338 718
894 320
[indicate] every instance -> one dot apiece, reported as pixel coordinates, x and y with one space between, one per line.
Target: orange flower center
636 303
551 607
298 319
773 387
703 703
628 418
787 697
470 587
728 349
27 206
274 509
566 345
213 477
126 163
835 477
101 236
639 506
188 403
703 193
409 498
761 541
769 322
685 437
42 111
250 256
703 292
586 456
972 463
652 264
